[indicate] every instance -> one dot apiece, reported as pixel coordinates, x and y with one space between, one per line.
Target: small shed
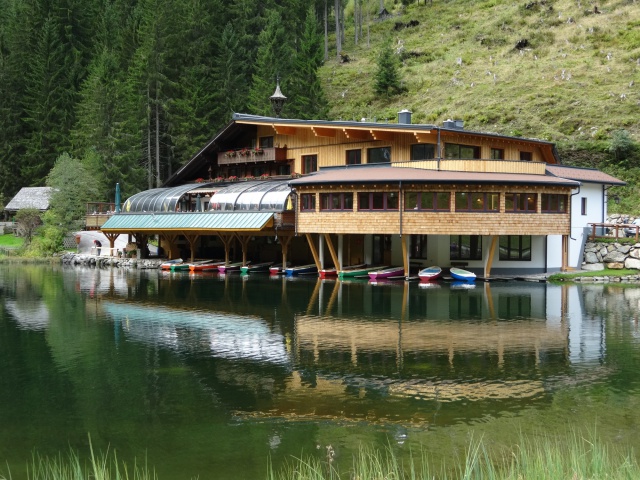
30 197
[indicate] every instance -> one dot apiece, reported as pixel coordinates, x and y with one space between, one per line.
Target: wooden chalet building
379 193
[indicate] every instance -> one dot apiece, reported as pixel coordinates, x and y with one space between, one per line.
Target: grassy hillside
578 78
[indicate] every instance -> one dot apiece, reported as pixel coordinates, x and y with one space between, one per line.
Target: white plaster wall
596 213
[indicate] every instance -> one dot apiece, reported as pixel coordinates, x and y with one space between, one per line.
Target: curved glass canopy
266 195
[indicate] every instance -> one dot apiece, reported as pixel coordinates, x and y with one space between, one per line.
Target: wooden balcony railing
253 155
614 230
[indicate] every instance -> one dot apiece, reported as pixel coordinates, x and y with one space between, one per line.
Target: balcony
252 155
97 214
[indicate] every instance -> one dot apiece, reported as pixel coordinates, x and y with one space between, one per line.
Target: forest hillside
132 89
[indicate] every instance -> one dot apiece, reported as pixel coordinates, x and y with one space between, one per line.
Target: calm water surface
211 376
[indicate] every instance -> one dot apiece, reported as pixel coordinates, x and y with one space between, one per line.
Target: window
418 246
515 247
378 201
526 156
354 157
284 169
309 163
465 247
520 202
423 151
439 201
477 202
308 202
583 206
336 201
497 154
257 171
379 155
265 142
554 203
455 151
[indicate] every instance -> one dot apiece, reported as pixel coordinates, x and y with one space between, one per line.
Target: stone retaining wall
103 262
600 255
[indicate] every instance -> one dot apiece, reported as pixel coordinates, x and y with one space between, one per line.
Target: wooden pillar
193 240
171 247
565 253
112 241
332 251
405 254
226 241
244 243
492 252
284 243
314 250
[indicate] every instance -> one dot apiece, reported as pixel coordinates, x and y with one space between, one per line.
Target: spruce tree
307 96
387 76
231 75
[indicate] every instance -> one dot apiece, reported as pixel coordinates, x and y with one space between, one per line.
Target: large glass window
309 163
520 202
336 201
423 151
526 156
354 157
378 201
379 155
308 202
515 247
553 203
438 201
465 247
477 202
456 151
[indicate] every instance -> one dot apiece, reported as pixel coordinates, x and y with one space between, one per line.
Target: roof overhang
196 222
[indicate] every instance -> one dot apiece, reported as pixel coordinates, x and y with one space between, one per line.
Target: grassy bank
542 458
607 272
574 457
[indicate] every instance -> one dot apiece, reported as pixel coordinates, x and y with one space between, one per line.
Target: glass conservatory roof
265 195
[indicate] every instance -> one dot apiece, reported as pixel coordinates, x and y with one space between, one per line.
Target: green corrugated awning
230 221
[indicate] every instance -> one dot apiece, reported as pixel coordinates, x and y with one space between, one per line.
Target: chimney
404 117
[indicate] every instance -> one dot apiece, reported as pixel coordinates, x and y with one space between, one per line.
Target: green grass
98 467
11 241
544 457
558 277
460 62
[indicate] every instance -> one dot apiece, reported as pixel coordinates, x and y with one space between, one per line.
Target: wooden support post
226 241
193 240
284 242
332 251
565 253
314 250
244 243
112 241
405 255
171 239
492 252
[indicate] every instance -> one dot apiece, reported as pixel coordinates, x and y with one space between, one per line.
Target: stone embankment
103 262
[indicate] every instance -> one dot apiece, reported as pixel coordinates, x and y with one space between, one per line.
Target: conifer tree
307 96
387 76
274 58
231 75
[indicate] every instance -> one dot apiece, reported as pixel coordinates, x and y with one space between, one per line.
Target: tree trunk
326 30
336 8
355 20
149 162
158 180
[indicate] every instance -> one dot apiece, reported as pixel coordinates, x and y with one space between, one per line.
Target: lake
213 376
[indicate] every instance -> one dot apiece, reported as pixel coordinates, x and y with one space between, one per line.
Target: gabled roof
386 174
586 175
240 122
30 197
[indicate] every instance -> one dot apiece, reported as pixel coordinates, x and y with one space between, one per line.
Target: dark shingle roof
30 197
382 175
588 175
